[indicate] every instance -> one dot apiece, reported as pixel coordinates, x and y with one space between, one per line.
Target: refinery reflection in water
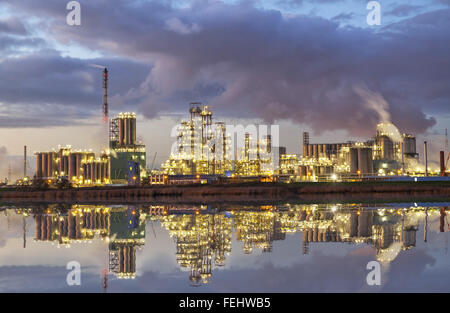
203 234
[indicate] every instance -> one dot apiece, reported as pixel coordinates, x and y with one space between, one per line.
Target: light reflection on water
279 248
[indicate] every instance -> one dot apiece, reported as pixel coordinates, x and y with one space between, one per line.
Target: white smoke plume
97 66
375 101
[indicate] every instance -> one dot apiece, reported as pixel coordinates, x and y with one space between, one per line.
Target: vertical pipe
269 144
403 157
426 157
24 161
247 146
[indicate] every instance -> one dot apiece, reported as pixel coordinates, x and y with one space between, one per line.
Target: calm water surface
283 248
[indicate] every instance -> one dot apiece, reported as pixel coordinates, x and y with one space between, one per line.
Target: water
282 248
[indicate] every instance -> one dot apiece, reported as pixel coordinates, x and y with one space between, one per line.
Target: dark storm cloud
248 62
45 89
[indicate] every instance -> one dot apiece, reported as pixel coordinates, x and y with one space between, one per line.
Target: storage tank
121 131
39 170
353 160
365 162
45 165
387 148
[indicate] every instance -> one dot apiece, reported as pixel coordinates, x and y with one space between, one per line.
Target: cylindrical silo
353 156
121 131
365 162
45 165
39 165
132 130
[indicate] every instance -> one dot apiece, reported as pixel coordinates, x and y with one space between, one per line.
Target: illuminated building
80 167
388 153
124 147
255 158
202 147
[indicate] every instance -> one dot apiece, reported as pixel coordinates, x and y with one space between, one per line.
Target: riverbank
238 193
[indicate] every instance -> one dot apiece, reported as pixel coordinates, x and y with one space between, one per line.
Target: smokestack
403 157
425 152
24 161
247 146
442 157
105 95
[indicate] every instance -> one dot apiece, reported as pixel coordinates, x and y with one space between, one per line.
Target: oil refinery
207 151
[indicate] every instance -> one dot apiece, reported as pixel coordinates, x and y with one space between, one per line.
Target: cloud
342 17
174 24
249 62
404 10
45 89
13 26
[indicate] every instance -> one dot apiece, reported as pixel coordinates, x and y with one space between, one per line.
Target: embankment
254 192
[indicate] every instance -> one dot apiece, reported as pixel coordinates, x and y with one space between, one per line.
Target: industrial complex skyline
299 64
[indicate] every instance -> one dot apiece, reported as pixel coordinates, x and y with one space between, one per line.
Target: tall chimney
403 157
425 152
105 95
247 146
442 157
24 161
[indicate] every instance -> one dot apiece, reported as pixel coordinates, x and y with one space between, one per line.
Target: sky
295 63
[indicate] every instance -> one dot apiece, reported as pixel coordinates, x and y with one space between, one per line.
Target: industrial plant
388 153
206 148
125 158
208 151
